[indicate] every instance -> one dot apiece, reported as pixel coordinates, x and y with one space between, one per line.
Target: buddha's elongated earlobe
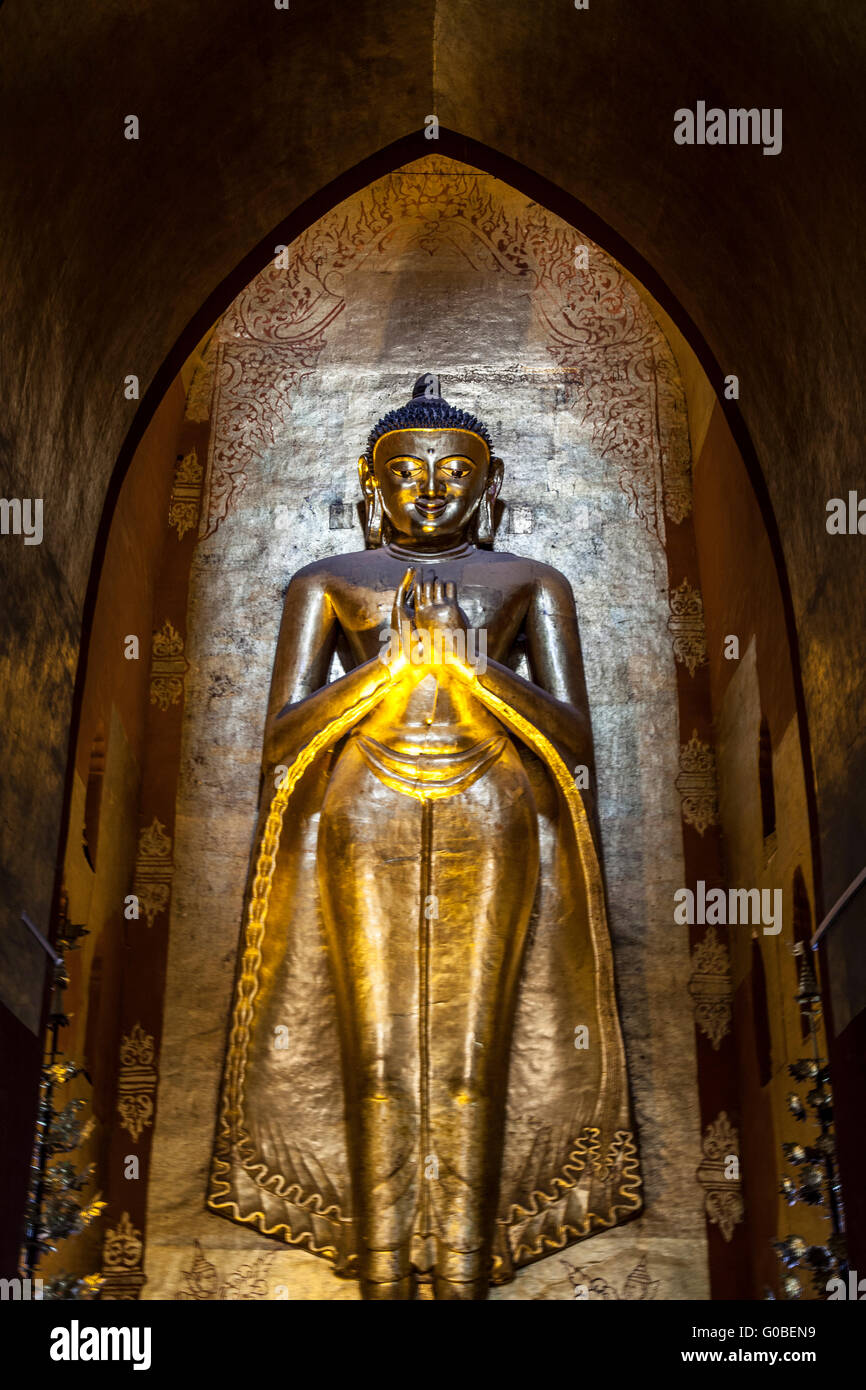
375 517
484 521
375 513
484 515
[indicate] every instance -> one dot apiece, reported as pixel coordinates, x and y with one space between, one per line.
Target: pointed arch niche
621 471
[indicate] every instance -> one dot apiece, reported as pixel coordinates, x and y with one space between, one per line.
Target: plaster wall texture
462 276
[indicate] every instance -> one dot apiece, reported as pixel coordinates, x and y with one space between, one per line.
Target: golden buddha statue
425 1079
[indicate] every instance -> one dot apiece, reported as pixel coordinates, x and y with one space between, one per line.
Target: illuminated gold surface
442 859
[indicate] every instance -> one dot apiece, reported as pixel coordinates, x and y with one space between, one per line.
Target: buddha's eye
456 468
405 468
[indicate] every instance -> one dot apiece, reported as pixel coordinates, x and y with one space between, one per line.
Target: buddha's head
429 475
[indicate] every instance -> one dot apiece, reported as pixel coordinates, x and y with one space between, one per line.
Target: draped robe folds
569 1164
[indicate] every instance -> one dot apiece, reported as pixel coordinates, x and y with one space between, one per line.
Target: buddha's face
431 481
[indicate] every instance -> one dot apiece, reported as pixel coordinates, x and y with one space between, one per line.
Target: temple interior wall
111 733
742 599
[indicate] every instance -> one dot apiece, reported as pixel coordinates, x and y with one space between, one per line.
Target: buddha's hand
441 626
397 641
436 607
435 635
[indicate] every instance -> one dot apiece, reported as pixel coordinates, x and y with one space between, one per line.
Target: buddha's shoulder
541 575
320 574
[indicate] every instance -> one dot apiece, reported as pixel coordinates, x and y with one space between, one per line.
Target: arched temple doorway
618 461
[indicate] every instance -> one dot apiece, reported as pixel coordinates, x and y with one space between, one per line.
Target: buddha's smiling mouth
430 507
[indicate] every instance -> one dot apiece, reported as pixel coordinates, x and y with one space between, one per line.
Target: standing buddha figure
425 1079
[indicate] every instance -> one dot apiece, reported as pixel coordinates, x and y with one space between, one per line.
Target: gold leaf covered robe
569 1163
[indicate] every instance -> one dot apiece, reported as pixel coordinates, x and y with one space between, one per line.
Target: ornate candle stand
817 1175
56 1207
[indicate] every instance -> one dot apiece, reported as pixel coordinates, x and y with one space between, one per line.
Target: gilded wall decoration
724 1194
154 870
710 987
686 626
136 1081
597 329
697 784
185 500
168 666
122 1270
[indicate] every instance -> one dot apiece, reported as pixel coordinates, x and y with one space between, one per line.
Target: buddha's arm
555 701
301 703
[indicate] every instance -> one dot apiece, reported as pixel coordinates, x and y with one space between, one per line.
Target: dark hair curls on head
426 410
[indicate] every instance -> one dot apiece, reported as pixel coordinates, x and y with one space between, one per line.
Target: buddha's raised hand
434 635
396 653
436 606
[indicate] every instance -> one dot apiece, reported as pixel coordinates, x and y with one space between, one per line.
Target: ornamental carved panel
618 374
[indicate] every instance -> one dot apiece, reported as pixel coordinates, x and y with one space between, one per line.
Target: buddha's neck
443 551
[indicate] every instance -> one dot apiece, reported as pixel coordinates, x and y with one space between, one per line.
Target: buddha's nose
432 487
